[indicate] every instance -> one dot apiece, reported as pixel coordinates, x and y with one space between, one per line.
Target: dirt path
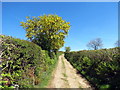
65 76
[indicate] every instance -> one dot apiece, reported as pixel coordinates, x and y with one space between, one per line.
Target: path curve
65 76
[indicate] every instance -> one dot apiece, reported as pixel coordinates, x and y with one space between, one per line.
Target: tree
48 31
117 44
67 49
95 44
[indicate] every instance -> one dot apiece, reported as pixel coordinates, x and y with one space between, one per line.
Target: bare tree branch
95 44
117 44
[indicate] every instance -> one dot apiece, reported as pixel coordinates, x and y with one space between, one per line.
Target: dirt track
65 76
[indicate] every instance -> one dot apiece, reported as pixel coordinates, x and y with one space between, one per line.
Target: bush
100 67
24 63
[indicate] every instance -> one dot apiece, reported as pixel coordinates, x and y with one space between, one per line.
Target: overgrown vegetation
24 63
100 67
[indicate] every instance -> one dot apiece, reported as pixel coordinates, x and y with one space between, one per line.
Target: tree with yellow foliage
48 31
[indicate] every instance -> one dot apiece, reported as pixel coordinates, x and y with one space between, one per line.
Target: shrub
23 63
100 67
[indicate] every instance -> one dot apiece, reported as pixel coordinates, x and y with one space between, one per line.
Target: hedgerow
100 67
24 63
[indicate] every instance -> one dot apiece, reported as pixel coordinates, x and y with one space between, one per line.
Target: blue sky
89 20
60 0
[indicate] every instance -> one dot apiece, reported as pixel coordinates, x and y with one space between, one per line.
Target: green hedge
100 67
24 63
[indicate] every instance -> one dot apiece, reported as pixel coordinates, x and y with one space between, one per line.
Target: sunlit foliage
48 31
